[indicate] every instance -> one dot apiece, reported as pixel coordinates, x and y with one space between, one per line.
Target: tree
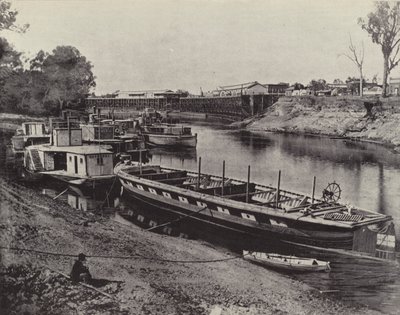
67 76
383 25
338 81
357 57
8 18
298 86
318 85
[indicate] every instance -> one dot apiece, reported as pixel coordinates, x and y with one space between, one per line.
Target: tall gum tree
67 76
383 25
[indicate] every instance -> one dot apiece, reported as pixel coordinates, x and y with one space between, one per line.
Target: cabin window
201 204
152 191
81 160
167 195
140 187
70 158
100 160
183 199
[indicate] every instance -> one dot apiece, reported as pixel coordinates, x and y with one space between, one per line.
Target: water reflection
79 198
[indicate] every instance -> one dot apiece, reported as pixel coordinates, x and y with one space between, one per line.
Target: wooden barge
263 212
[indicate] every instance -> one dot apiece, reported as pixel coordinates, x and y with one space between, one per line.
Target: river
368 175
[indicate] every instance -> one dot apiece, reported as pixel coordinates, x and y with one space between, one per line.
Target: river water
368 174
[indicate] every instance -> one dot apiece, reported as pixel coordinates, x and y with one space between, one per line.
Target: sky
177 44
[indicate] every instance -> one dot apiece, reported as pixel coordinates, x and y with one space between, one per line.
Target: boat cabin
33 129
67 137
83 161
168 129
30 133
95 132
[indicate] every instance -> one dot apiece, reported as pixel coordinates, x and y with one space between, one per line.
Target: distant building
250 88
279 88
376 90
289 91
147 94
394 86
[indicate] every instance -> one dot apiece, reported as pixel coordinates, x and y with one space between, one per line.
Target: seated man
79 271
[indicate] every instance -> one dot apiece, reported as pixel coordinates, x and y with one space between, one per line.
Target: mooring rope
176 220
118 257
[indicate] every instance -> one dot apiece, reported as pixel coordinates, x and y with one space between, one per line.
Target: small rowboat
291 263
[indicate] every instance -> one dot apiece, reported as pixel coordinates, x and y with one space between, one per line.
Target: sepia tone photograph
210 157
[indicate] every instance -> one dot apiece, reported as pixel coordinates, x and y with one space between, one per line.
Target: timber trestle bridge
236 107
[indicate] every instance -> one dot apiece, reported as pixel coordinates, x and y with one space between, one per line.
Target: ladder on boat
36 160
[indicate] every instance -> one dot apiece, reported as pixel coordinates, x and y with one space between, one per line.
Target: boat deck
261 198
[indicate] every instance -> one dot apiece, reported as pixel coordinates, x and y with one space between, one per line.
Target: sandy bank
332 116
145 284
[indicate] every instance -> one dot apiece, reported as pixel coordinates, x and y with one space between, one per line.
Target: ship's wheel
331 193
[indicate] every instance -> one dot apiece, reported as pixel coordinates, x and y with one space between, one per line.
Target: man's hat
81 256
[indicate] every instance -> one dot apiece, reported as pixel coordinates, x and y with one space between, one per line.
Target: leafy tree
8 18
318 85
338 81
383 25
66 74
9 58
298 86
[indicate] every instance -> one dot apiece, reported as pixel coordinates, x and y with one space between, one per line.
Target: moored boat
169 135
69 160
30 133
263 212
285 262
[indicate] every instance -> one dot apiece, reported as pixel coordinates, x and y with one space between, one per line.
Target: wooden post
223 178
313 190
140 162
198 174
278 189
248 184
69 131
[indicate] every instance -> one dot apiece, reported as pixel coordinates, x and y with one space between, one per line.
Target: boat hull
81 181
263 232
171 140
165 189
287 266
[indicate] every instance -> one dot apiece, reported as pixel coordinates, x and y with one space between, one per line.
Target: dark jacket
77 270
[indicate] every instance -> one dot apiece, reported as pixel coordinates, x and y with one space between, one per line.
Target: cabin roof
78 149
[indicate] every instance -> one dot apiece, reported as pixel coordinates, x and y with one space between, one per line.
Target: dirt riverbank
148 283
346 117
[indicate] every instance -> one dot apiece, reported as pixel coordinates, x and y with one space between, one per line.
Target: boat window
100 160
152 191
81 160
140 187
70 158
